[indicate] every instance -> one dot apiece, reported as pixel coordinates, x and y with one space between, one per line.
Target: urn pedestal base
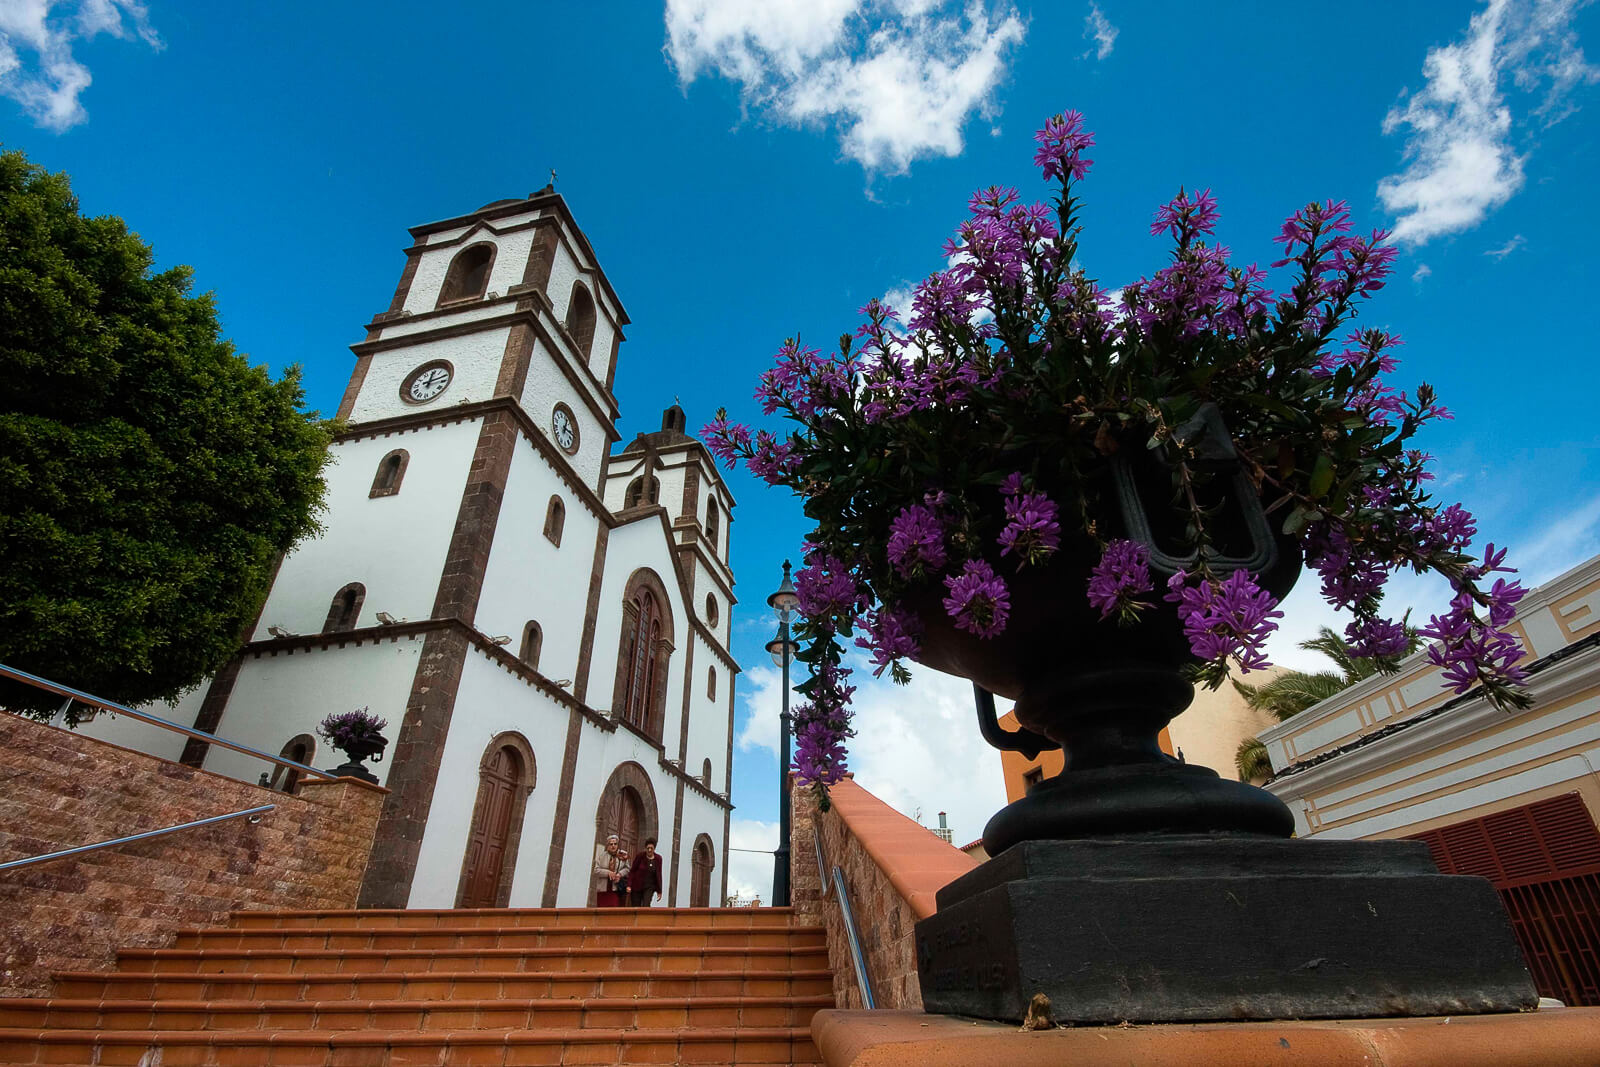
1173 928
355 769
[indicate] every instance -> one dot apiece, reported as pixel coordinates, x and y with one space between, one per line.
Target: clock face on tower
565 429
426 382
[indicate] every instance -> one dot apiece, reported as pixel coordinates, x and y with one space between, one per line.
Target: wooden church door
500 779
700 880
630 814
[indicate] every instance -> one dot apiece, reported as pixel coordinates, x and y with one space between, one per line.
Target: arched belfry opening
580 318
468 276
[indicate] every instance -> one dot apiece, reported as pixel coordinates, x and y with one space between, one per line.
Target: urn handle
1021 740
1207 435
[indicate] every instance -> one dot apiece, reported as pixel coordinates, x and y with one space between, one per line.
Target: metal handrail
857 957
154 720
852 933
145 836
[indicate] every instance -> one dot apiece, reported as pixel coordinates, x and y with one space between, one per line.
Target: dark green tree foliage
149 475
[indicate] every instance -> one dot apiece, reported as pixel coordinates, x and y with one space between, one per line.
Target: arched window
713 613
711 683
705 774
391 470
298 749
346 608
532 643
555 517
711 525
640 694
703 861
468 277
505 778
641 492
580 318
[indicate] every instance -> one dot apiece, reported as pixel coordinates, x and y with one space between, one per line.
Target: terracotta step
655 1013
379 1048
538 960
440 985
737 918
505 936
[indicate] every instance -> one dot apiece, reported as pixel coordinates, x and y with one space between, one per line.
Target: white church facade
544 622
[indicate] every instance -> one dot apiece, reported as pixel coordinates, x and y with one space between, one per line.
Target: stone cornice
697 785
477 410
394 631
1438 727
521 312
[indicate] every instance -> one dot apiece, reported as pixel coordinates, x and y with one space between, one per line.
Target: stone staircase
504 987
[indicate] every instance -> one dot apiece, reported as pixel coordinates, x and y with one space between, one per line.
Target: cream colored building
1510 796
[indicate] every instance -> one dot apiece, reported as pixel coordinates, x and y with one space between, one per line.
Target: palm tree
1292 692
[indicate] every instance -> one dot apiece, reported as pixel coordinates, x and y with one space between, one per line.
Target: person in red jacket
644 878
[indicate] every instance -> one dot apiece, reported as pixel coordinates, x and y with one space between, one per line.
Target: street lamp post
782 648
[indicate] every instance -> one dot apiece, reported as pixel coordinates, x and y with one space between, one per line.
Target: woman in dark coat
644 878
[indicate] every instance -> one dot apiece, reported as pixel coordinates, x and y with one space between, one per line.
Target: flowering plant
351 731
958 450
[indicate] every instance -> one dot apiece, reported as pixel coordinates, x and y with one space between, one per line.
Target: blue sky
746 171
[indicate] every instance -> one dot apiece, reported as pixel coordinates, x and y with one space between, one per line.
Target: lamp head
784 601
782 649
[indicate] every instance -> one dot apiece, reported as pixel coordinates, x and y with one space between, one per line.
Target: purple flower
979 601
827 589
1185 218
1375 638
1121 575
891 636
1031 527
916 541
1471 650
726 440
352 729
1061 145
819 754
1227 618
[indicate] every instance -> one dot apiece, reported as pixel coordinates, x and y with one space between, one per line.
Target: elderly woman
610 873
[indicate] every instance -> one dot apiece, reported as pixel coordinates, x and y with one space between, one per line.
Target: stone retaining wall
892 869
60 789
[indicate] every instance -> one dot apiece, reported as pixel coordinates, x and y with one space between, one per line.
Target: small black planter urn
356 753
1135 887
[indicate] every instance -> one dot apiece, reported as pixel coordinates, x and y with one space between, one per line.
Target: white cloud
750 869
1422 271
1461 163
1096 25
898 79
37 67
916 747
1509 247
761 689
1562 543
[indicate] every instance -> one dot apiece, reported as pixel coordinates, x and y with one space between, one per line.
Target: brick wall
892 869
59 789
